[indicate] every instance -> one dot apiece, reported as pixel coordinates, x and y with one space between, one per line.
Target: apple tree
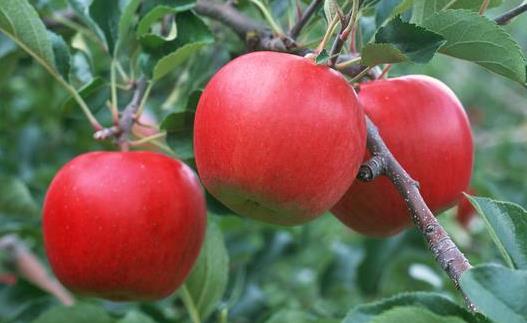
263 161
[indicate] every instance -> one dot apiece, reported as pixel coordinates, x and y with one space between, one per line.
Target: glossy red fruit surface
425 127
123 225
272 135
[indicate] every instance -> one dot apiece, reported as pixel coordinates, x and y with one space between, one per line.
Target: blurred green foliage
302 274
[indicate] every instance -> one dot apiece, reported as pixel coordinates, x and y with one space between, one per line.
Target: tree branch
509 15
256 35
127 119
310 10
128 116
52 22
28 266
446 253
339 41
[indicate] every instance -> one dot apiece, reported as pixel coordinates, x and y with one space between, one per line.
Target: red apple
124 225
425 127
277 137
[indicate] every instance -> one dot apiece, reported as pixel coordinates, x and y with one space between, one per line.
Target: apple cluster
280 139
277 138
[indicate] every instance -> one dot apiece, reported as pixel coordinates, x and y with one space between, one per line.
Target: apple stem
189 304
347 24
445 251
130 114
28 266
255 35
385 71
147 139
483 7
302 21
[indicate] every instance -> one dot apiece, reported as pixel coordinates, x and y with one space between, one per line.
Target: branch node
371 169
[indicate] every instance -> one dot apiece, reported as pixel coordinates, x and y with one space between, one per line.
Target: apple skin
424 125
124 225
272 135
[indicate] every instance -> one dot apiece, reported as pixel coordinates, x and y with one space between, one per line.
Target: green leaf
126 20
423 9
399 41
179 126
180 5
330 9
20 22
193 34
435 303
82 9
79 313
297 316
135 317
16 199
388 9
106 15
473 5
208 279
62 55
153 40
7 46
322 57
507 224
497 292
8 64
87 92
171 61
367 29
413 314
375 54
22 302
378 254
478 39
146 37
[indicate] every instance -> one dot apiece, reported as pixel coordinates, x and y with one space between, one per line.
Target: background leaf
179 126
435 303
126 20
398 41
297 316
478 39
497 292
106 15
162 57
82 9
208 279
16 199
20 21
414 314
135 317
93 92
507 225
62 55
79 313
423 9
